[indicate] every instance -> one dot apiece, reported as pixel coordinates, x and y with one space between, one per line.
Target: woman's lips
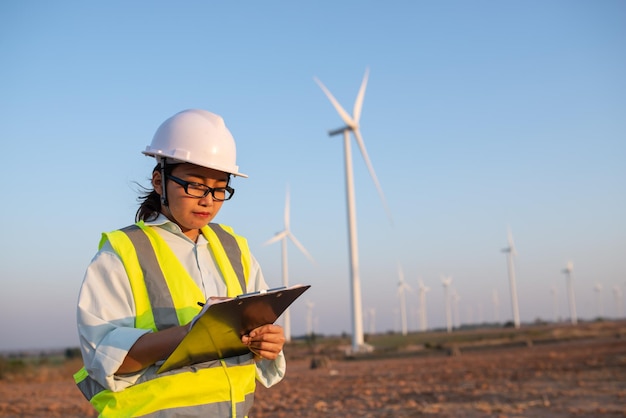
202 214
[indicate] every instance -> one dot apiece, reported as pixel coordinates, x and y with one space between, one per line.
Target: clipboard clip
260 292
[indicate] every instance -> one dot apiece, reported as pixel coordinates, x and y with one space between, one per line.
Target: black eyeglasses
200 190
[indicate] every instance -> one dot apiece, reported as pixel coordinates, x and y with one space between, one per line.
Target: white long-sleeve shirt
106 307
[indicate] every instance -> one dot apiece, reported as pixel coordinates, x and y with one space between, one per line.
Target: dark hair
150 200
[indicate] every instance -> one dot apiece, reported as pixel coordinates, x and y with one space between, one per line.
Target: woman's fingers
266 342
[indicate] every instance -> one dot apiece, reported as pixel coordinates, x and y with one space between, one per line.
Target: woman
143 286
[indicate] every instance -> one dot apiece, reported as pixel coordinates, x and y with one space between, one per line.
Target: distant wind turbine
598 289
470 314
619 307
555 303
422 298
352 125
496 306
511 252
456 298
570 291
479 310
403 287
309 318
283 236
446 281
372 321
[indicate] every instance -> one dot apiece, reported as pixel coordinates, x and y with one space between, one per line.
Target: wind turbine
352 125
479 309
555 303
283 236
372 321
309 318
598 289
446 281
422 298
470 314
511 252
570 291
457 318
617 293
496 305
403 287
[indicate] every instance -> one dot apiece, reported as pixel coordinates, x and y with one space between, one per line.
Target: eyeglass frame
209 190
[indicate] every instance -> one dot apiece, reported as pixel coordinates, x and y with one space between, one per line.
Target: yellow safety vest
165 296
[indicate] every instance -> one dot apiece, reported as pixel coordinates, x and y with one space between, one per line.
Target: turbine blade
358 104
300 247
277 237
366 157
287 210
344 115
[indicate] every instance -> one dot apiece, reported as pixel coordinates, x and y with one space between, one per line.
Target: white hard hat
198 137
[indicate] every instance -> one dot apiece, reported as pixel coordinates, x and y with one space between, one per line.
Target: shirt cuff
111 354
270 372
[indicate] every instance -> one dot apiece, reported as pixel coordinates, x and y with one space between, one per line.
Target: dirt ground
582 379
565 379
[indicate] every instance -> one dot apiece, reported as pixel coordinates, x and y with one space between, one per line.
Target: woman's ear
157 182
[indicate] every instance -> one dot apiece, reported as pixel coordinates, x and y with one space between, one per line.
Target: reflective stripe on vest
217 388
159 296
232 255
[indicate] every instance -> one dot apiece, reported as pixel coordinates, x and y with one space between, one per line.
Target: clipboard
217 330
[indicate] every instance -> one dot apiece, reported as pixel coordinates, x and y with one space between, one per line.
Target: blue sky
478 116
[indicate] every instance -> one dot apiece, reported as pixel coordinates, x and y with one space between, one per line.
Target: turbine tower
496 306
598 289
511 252
555 303
446 281
422 298
372 321
403 287
352 125
570 291
619 307
456 298
283 236
309 318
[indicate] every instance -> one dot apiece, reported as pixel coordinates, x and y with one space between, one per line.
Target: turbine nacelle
341 130
511 248
568 268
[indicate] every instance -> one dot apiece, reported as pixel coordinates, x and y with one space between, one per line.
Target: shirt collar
164 223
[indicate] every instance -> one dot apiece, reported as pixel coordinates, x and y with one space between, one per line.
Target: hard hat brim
160 156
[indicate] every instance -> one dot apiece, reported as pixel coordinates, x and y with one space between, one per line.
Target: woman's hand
266 341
